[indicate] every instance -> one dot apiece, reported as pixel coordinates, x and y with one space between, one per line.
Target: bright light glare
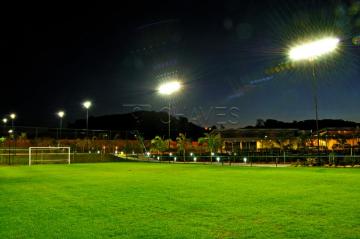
12 116
169 88
315 49
4 120
61 114
87 104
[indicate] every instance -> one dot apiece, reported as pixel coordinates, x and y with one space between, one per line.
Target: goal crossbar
68 153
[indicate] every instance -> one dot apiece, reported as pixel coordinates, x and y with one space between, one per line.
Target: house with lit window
262 139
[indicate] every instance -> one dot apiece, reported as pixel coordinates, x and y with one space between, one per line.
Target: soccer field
153 200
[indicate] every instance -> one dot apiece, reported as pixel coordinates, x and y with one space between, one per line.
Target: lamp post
12 117
4 120
60 114
11 134
310 52
168 89
87 104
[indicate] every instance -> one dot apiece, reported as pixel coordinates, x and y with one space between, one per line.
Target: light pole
11 133
311 51
60 114
168 89
87 104
4 120
12 117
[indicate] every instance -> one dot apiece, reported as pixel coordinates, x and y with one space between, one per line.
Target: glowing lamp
169 88
314 49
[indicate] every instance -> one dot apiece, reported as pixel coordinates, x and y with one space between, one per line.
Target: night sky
57 55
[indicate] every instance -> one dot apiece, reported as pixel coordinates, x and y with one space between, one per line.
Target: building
289 139
263 139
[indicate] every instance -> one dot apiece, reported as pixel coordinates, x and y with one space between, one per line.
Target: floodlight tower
12 117
61 115
310 52
4 120
168 89
87 104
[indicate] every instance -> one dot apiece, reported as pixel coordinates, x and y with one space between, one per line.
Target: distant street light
60 114
87 104
310 52
168 89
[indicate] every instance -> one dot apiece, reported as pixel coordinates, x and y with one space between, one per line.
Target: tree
260 123
158 144
181 142
213 142
140 139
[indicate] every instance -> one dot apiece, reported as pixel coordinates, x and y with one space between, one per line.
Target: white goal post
49 154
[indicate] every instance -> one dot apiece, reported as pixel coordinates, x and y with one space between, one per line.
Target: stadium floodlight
87 104
191 154
168 89
314 49
218 159
245 159
195 159
11 131
61 115
310 51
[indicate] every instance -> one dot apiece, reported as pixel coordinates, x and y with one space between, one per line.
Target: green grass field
150 200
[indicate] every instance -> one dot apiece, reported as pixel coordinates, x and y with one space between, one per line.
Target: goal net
43 155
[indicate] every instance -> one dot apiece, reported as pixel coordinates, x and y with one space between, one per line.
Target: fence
67 133
254 158
14 151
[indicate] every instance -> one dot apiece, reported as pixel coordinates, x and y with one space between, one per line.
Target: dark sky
54 56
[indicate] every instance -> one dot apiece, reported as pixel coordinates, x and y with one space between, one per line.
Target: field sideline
153 200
